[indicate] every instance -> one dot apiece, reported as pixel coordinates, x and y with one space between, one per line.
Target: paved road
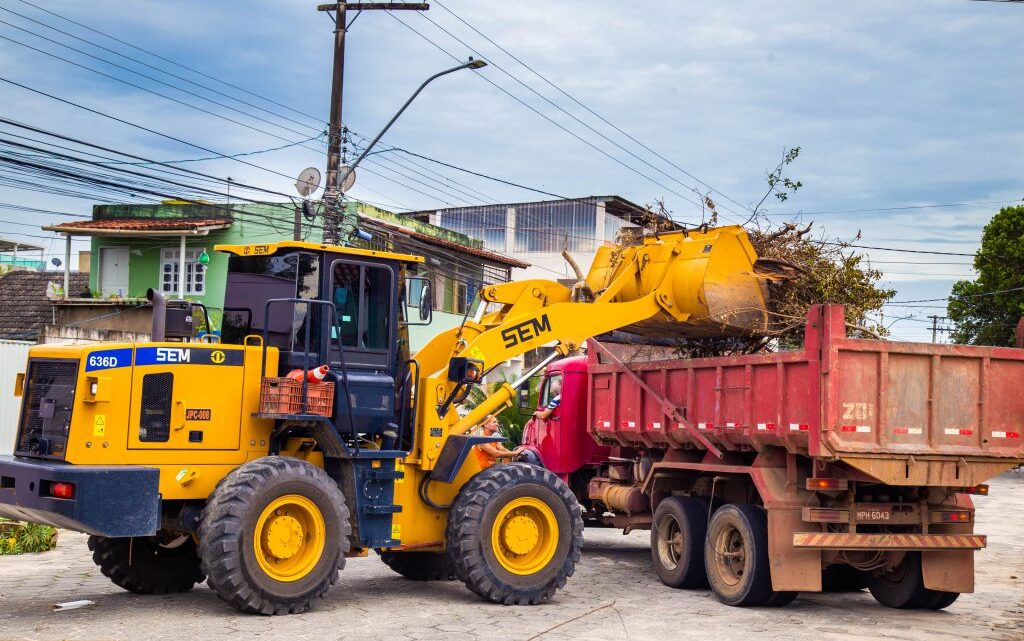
614 595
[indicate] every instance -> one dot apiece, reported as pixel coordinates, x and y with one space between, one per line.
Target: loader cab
329 305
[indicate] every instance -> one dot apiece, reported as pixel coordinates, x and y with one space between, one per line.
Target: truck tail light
62 490
980 490
825 515
951 516
827 484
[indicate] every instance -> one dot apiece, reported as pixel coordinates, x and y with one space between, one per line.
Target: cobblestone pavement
614 595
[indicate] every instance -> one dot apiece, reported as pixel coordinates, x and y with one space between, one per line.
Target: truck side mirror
525 407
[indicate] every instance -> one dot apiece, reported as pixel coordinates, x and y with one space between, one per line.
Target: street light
470 64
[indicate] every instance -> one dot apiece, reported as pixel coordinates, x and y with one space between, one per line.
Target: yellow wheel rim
524 536
289 537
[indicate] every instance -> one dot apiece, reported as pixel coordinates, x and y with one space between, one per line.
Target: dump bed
903 413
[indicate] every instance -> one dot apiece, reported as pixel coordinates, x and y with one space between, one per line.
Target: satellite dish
348 176
308 181
56 262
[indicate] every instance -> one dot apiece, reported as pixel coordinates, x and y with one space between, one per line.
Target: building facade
537 232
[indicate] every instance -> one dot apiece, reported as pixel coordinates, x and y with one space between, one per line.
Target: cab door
187 397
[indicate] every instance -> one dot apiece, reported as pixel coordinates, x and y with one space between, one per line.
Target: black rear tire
736 557
160 564
232 517
678 531
941 600
903 588
486 510
419 566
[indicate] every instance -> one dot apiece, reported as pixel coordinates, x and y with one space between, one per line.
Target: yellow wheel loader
246 463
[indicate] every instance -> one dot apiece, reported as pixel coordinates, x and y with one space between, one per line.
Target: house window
195 273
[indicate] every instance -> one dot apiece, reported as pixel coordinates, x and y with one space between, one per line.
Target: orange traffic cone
315 375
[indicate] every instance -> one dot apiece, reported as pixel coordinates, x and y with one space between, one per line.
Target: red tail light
826 484
62 490
980 490
951 516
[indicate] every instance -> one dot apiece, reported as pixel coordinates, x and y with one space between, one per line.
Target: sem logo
527 330
173 355
217 357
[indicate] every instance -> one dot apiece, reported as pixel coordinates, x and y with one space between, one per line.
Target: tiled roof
141 224
24 308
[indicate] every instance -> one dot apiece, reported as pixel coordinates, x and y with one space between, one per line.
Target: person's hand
517 451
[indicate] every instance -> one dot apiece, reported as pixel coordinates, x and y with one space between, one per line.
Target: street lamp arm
472 64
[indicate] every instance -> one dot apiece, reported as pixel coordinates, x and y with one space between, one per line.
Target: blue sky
894 104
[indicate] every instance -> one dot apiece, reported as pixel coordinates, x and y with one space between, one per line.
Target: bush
23 538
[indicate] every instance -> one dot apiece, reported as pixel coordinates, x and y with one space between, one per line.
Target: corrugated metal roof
493 257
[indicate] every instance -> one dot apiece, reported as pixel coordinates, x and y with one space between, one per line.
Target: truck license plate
873 513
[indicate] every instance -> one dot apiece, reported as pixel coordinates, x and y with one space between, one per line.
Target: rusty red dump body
903 413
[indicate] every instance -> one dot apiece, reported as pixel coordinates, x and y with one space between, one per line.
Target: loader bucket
704 280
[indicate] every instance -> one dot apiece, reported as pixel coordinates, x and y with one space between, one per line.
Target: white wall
13 355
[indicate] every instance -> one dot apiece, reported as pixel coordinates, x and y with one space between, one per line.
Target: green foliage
980 318
511 419
23 538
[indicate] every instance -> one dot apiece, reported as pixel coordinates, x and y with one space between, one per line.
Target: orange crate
284 396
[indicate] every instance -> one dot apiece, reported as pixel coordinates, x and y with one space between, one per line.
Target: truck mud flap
894 542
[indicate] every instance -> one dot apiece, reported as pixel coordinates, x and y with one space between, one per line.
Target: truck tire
678 531
419 566
148 564
273 535
736 557
514 534
941 600
903 588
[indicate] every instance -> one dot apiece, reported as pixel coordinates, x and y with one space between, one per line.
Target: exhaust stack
159 314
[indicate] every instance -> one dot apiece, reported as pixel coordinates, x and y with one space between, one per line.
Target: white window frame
195 273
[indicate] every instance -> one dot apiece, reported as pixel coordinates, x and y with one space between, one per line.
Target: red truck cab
562 442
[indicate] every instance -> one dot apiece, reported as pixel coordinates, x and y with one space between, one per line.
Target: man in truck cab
554 394
487 454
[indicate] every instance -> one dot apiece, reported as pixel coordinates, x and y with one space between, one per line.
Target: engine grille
46 410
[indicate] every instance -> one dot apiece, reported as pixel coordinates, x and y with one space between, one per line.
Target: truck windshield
252 281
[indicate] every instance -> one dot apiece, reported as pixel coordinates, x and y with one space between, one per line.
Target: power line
899 208
318 120
548 118
588 109
952 298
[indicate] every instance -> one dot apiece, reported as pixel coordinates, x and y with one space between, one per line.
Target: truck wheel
677 542
514 534
736 557
903 588
419 566
273 535
941 600
159 564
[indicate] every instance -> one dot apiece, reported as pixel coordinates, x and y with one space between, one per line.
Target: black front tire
678 531
227 535
161 564
474 517
419 566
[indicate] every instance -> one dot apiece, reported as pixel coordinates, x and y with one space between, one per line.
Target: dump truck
228 460
846 464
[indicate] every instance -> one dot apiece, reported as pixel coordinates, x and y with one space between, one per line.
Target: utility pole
333 190
935 327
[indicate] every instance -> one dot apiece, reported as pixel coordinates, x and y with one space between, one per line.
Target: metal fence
13 355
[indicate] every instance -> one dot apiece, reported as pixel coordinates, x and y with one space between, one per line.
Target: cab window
362 295
552 391
252 280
